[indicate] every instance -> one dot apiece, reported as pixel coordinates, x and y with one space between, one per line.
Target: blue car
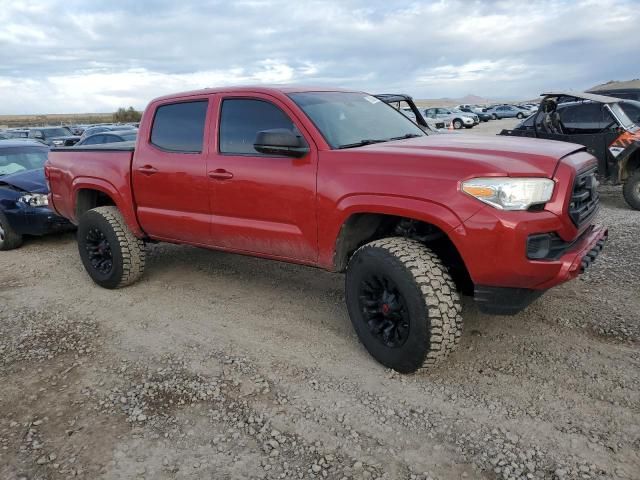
23 194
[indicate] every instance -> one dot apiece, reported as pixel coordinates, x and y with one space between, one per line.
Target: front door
169 173
261 204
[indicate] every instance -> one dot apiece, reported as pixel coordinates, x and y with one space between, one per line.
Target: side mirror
280 141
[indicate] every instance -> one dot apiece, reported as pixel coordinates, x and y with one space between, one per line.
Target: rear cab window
179 127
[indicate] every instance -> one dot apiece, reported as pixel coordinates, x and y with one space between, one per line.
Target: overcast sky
94 56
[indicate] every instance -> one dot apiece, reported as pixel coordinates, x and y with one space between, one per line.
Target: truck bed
105 147
72 169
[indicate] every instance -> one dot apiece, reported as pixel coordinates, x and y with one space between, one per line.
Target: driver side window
242 118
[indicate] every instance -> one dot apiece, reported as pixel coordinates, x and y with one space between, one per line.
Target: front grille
584 198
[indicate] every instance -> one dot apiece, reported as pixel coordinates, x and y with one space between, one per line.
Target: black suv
54 136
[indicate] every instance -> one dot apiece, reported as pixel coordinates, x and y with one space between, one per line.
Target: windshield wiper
408 135
361 143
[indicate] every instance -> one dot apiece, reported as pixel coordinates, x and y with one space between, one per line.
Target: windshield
19 159
56 132
350 119
632 110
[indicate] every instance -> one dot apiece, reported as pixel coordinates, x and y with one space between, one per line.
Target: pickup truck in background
342 181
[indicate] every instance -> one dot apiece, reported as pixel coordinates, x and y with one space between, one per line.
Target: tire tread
132 248
442 302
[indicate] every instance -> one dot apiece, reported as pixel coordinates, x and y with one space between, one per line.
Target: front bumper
36 221
509 301
493 245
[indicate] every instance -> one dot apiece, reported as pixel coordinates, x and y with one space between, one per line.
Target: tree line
127 115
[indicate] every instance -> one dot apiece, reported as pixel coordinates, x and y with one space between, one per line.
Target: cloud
72 56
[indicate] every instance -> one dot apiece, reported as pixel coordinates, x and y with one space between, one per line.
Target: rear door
169 172
262 204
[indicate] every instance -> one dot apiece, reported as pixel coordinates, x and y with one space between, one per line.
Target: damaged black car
609 127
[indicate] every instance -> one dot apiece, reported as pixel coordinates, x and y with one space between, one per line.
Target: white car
452 116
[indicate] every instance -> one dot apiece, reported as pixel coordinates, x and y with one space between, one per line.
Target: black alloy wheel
99 251
384 310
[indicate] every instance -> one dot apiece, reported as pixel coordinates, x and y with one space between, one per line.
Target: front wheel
403 304
112 255
520 115
9 238
631 190
457 124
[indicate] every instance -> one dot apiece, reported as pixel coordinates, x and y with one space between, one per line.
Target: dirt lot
221 366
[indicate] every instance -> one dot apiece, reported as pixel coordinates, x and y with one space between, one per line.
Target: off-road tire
430 296
457 123
631 190
128 251
9 239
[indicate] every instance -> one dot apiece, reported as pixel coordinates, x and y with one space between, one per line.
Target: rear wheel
403 304
494 116
520 115
631 190
457 124
9 239
112 255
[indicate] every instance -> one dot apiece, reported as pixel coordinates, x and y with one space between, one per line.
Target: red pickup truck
342 181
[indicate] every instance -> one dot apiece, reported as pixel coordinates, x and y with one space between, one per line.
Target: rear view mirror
280 141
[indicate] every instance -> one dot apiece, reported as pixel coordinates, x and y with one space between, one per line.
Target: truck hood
490 155
31 181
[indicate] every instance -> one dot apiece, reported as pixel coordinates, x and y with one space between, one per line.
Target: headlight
35 199
510 193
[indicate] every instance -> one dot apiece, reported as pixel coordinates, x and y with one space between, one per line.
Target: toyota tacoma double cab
342 181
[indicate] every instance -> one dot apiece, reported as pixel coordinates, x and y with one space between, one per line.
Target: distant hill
450 102
615 85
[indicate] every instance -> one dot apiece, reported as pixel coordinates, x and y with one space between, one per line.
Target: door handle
148 170
220 174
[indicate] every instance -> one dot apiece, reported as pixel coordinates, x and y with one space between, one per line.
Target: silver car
505 111
453 117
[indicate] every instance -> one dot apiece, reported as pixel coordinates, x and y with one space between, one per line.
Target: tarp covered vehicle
609 127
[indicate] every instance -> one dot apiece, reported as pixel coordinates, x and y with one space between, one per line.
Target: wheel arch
432 226
90 193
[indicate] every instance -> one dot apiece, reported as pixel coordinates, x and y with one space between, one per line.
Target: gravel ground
222 366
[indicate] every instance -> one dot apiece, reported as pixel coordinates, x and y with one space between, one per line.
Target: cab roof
264 89
582 96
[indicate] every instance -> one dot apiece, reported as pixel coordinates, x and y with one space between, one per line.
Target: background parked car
483 116
77 129
17 133
405 105
23 193
505 111
105 128
54 136
109 137
457 119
